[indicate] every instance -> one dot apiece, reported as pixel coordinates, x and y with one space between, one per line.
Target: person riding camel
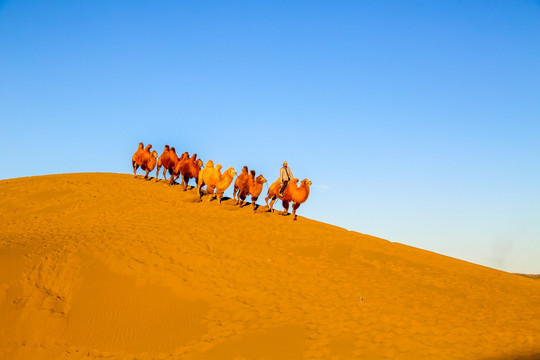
285 175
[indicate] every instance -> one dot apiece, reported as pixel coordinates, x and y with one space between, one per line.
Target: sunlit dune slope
111 266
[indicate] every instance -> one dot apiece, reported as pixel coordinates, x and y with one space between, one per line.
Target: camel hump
209 164
141 146
253 173
148 147
166 148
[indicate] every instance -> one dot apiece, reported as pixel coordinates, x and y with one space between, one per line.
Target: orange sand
109 266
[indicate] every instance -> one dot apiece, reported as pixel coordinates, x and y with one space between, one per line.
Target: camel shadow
143 178
535 356
259 209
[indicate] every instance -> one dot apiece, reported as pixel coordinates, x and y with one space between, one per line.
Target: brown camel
293 193
189 168
253 186
240 183
168 160
164 160
145 159
174 170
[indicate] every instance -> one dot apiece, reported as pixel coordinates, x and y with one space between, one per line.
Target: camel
189 168
206 174
174 170
294 193
240 183
253 186
164 161
273 193
213 179
224 182
145 159
168 160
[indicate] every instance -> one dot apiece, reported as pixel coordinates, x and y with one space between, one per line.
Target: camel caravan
217 182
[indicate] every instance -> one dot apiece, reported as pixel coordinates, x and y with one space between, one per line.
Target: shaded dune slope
108 266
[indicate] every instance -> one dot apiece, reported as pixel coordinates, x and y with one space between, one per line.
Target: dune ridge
100 265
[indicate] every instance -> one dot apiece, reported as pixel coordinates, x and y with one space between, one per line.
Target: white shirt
285 174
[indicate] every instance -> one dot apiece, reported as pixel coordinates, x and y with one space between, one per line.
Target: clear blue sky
416 121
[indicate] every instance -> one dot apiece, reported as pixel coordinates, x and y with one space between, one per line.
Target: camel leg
219 195
294 207
285 207
157 172
146 176
272 203
165 173
242 199
253 202
199 190
274 199
135 167
185 180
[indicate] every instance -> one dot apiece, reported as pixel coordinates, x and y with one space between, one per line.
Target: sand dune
109 266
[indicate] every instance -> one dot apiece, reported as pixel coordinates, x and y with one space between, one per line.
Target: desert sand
108 266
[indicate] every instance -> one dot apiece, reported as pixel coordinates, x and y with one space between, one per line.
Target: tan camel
213 179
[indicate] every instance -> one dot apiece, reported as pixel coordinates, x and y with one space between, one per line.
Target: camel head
155 154
199 163
306 183
230 171
261 179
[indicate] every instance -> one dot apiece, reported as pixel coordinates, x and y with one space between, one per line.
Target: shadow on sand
535 356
